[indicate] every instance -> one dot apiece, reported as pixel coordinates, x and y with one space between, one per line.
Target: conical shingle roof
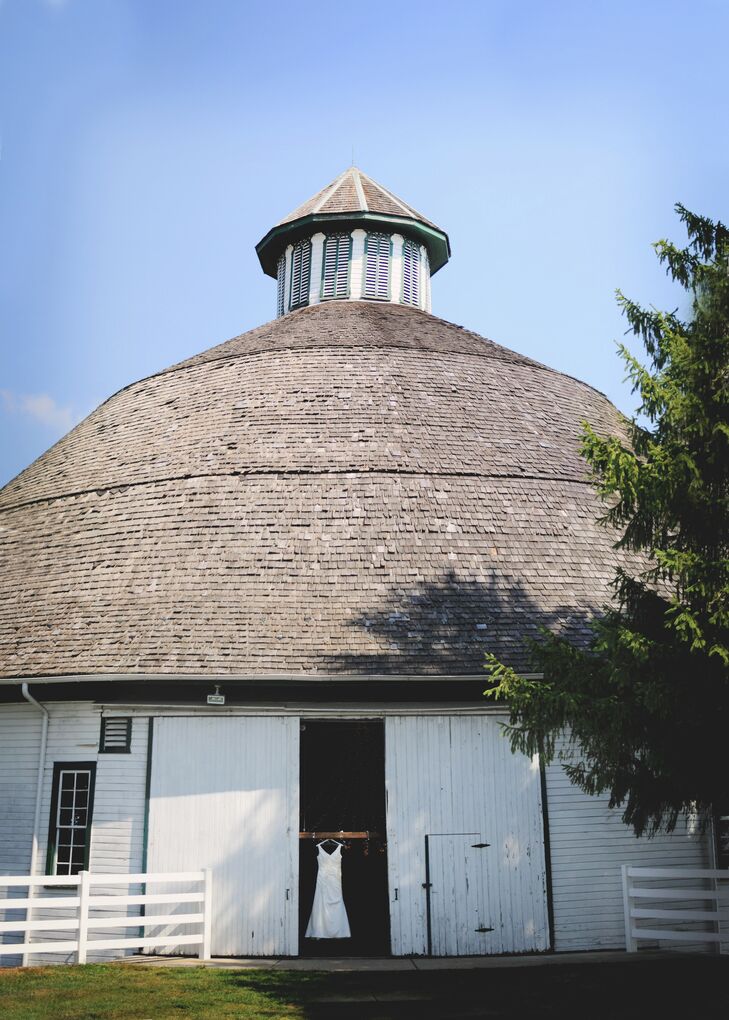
350 489
353 191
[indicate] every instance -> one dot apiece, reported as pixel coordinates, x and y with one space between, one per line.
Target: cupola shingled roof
354 191
353 200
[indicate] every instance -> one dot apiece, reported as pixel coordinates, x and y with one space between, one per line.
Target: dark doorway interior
343 789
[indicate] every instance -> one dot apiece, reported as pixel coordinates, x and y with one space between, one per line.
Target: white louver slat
116 734
335 270
377 266
300 266
410 273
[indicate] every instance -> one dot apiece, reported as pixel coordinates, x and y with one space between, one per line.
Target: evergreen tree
648 701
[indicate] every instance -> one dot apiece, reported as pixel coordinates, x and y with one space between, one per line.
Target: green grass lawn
671 987
116 992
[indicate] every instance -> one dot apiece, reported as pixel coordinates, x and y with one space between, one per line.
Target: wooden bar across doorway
340 835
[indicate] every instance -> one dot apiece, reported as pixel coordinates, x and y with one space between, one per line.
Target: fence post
28 917
207 915
83 916
631 945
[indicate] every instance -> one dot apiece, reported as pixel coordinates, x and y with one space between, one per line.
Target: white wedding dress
328 914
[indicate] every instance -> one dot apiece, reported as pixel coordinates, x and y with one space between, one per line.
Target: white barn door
454 780
224 794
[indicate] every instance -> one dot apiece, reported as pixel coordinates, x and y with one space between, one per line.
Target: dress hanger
330 840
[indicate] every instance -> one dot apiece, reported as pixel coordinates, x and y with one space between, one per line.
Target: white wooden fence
84 901
694 895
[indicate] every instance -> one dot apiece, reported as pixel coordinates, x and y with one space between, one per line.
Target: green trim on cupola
276 240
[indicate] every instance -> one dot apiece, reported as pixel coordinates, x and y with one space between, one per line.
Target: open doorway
343 790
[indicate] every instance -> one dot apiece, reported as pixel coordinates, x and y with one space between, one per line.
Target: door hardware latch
482 930
480 846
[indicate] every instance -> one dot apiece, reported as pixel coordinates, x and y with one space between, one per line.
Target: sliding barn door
453 785
224 795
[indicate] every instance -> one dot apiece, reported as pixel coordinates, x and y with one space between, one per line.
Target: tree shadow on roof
445 627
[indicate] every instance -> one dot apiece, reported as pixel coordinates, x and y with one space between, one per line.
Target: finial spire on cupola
354 240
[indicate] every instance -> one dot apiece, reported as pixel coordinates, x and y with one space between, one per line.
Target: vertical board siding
450 775
588 844
225 795
117 832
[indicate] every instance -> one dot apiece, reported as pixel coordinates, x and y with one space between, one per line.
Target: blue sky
148 144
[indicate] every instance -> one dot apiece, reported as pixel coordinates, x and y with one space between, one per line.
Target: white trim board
305 710
262 678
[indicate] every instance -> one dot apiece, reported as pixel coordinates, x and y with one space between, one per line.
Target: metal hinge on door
480 846
483 929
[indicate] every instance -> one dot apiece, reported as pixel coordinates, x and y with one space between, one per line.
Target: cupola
353 241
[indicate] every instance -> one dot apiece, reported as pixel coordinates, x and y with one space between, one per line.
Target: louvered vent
300 267
410 272
377 266
335 271
116 735
280 282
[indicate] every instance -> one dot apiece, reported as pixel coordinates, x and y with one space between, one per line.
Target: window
377 266
335 269
410 272
280 284
300 267
69 832
116 735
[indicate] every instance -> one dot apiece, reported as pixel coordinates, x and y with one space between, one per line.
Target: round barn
245 606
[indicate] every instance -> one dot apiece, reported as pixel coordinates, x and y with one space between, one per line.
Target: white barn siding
588 843
117 842
225 795
454 775
20 734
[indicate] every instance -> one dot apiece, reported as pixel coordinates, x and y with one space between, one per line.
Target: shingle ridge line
498 350
493 347
348 346
293 472
359 189
330 192
398 201
189 364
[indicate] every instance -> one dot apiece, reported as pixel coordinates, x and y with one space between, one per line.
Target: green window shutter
377 266
410 272
335 267
280 283
300 269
